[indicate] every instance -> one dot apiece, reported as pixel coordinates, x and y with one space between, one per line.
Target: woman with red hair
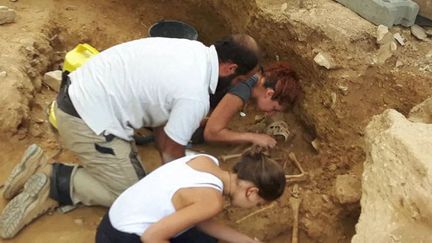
274 89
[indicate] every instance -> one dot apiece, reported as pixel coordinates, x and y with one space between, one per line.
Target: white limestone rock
325 60
53 79
7 15
397 181
384 35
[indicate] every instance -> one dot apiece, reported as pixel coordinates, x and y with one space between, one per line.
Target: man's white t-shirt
146 83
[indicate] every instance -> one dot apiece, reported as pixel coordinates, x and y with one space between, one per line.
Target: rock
3 74
385 12
7 15
39 121
382 30
429 32
333 97
53 79
425 68
399 39
315 144
284 7
397 181
326 198
343 88
79 222
383 35
422 112
324 60
347 189
418 32
399 63
259 118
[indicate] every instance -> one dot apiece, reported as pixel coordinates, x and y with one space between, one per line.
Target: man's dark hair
240 49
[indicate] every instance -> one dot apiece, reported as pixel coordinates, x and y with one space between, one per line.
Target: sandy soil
46 29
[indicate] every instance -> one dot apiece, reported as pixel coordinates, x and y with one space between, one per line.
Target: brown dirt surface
335 107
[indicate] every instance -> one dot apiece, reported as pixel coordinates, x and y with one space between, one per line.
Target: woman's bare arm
216 129
205 206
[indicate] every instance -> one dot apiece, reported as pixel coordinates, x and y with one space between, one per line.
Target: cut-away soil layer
336 106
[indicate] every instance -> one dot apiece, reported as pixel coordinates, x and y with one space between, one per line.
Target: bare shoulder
210 198
203 163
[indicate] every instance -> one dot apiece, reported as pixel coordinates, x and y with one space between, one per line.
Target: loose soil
335 107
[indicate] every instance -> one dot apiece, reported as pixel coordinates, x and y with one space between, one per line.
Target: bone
225 158
295 205
294 202
303 176
293 157
236 154
296 178
256 212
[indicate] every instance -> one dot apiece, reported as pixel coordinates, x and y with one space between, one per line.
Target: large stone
325 60
397 181
53 79
418 32
384 35
385 12
7 15
422 112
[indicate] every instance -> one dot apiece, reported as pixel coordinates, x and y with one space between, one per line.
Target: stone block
53 79
396 182
7 15
385 12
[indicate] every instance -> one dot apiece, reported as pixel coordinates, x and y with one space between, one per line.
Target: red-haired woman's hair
284 81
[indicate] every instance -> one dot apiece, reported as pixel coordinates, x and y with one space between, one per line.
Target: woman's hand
225 233
263 140
255 240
